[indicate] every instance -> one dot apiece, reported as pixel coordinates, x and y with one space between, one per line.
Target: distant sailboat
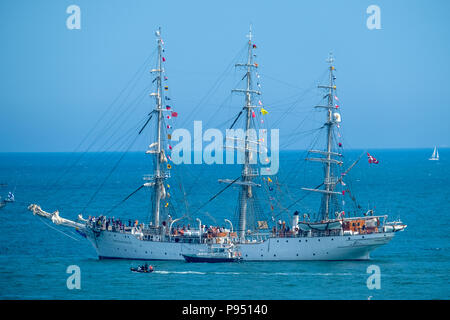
435 155
10 197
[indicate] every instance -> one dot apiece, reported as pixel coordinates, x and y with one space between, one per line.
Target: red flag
174 114
371 159
163 59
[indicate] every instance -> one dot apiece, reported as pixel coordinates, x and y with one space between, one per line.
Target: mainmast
329 180
247 173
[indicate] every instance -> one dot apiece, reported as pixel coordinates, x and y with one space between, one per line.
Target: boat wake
252 273
178 272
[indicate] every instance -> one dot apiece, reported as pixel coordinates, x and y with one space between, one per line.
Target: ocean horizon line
281 150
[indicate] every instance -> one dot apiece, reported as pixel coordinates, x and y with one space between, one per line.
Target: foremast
247 173
329 156
159 174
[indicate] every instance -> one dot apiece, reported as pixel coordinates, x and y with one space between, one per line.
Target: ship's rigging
251 207
259 236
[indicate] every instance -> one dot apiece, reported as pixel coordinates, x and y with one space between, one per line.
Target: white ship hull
113 245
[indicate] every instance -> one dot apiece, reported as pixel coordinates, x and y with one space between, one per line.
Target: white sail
435 155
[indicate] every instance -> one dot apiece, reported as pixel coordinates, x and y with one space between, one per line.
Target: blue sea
34 254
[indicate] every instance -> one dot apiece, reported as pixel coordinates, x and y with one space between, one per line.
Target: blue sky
393 82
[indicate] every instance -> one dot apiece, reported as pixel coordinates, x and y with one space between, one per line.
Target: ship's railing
151 233
325 233
312 233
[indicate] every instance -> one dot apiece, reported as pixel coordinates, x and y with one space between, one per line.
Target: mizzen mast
328 159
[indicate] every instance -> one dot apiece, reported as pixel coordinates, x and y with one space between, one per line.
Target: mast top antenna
330 58
250 36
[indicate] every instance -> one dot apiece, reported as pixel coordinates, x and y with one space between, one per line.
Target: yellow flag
167 204
268 179
264 111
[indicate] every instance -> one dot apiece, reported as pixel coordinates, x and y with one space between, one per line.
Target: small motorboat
143 269
215 254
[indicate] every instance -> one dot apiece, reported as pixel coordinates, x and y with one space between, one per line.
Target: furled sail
56 219
320 226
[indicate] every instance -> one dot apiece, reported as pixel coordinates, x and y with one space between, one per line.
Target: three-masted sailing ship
332 237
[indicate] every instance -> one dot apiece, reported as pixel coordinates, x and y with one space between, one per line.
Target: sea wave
179 272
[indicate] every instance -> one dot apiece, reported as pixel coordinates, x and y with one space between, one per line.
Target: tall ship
330 235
